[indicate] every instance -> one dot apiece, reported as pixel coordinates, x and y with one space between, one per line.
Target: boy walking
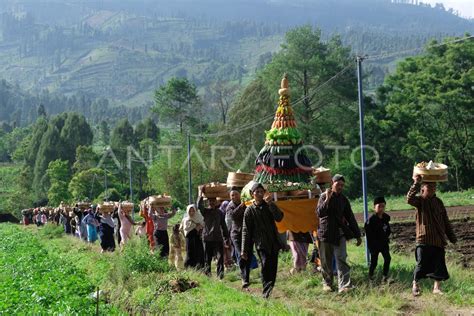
377 230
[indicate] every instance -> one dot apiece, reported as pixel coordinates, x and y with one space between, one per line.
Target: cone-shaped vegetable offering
282 159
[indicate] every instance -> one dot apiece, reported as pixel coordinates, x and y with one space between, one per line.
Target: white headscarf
189 223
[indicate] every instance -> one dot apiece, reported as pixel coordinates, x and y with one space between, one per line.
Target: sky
465 7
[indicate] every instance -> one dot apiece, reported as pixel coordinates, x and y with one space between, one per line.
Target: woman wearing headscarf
126 223
149 226
65 221
80 223
191 226
106 232
92 223
160 220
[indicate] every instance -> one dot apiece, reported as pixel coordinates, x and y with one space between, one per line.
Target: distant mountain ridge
123 50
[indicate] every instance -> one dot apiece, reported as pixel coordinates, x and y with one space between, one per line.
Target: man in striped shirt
432 228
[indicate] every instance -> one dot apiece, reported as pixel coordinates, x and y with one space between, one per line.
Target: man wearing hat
432 228
337 224
259 229
377 230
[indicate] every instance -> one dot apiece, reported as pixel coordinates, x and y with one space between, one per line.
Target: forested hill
122 50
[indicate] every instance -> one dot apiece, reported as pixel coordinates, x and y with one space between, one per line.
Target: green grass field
398 203
139 283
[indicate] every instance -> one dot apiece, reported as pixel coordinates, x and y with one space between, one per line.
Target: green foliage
26 265
155 292
59 175
86 158
104 132
426 114
14 143
111 194
167 173
47 152
51 231
178 101
147 129
89 183
137 258
76 132
309 62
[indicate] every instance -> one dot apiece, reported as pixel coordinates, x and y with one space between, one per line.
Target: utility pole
105 185
130 181
362 148
190 183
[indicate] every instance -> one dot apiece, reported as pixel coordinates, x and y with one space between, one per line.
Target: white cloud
465 7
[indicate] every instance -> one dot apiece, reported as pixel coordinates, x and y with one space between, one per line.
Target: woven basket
160 200
214 190
127 207
106 207
432 171
238 179
83 205
322 175
434 178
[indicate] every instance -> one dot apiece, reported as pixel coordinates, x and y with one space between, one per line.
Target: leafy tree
104 132
59 176
86 158
427 110
39 129
90 183
309 62
178 101
47 152
147 129
75 132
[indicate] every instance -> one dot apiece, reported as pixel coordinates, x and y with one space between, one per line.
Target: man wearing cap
377 230
337 224
432 228
259 228
214 234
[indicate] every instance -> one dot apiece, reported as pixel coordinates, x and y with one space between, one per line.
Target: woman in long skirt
106 232
149 226
192 225
91 223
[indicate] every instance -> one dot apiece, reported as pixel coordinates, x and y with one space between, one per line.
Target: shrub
136 257
51 231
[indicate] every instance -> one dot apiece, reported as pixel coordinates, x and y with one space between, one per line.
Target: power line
388 55
319 88
266 118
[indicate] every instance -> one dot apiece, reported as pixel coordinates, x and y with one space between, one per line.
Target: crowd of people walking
231 233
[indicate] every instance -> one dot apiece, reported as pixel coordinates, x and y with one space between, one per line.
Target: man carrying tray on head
432 228
214 234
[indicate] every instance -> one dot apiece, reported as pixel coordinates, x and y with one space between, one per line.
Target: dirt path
454 212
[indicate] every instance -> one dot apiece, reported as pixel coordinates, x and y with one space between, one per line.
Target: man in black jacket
259 228
214 234
235 210
377 230
337 224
